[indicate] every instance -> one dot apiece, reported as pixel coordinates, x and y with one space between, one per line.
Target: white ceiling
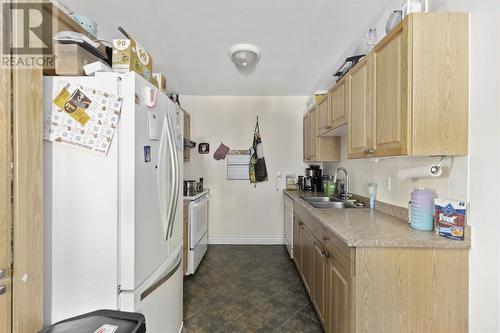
300 40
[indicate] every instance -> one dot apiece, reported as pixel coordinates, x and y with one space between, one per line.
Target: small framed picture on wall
203 148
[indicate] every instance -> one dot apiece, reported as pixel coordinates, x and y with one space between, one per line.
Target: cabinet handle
325 238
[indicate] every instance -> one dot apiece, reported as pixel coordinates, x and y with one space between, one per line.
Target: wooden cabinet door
305 139
337 98
187 134
358 107
339 300
5 200
307 244
313 130
324 115
297 242
391 90
319 276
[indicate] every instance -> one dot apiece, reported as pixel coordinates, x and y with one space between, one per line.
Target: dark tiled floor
247 288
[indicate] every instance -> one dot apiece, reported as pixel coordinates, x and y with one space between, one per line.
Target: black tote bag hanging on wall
258 169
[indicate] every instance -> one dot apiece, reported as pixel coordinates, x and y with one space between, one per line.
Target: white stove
198 227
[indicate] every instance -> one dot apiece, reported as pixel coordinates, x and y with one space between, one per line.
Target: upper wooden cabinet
409 96
332 110
313 124
420 78
338 95
316 148
390 62
358 109
324 115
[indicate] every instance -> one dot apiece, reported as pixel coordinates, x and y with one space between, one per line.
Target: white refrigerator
113 224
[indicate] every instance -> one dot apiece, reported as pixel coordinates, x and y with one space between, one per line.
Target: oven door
198 220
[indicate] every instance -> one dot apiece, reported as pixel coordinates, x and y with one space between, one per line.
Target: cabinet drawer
340 252
315 227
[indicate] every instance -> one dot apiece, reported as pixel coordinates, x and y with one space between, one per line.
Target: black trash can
101 321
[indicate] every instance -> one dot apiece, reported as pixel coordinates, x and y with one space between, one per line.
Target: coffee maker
313 179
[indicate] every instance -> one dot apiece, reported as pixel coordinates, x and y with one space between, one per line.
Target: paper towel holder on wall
431 171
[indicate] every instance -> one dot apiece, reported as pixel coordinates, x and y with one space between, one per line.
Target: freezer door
159 297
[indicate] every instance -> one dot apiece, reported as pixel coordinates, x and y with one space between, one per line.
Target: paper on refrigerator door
106 328
82 117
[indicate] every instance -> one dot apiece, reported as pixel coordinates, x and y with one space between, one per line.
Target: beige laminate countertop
362 227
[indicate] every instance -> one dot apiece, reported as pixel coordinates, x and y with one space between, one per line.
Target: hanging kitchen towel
221 152
258 169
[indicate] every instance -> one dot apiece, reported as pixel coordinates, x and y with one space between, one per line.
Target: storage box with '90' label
128 56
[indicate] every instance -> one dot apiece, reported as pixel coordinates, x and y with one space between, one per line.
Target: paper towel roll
420 172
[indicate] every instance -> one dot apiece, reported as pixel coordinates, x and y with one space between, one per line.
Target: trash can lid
101 321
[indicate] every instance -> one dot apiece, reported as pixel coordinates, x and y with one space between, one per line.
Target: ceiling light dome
244 55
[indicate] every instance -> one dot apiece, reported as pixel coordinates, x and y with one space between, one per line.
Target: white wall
240 212
484 161
483 169
452 184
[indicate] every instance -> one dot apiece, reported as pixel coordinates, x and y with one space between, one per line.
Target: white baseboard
247 240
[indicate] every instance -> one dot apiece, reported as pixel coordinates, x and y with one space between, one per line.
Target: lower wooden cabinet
319 291
325 279
380 289
338 285
297 242
307 254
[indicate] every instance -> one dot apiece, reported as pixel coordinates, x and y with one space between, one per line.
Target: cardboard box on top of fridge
128 55
160 80
319 95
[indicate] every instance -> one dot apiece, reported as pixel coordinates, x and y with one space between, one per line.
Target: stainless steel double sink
327 202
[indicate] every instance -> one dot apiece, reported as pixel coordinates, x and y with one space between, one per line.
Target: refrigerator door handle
155 285
175 156
161 176
174 182
165 208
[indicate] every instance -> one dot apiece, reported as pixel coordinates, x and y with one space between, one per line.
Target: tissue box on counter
450 218
128 56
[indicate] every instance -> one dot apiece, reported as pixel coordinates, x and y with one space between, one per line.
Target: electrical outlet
388 184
